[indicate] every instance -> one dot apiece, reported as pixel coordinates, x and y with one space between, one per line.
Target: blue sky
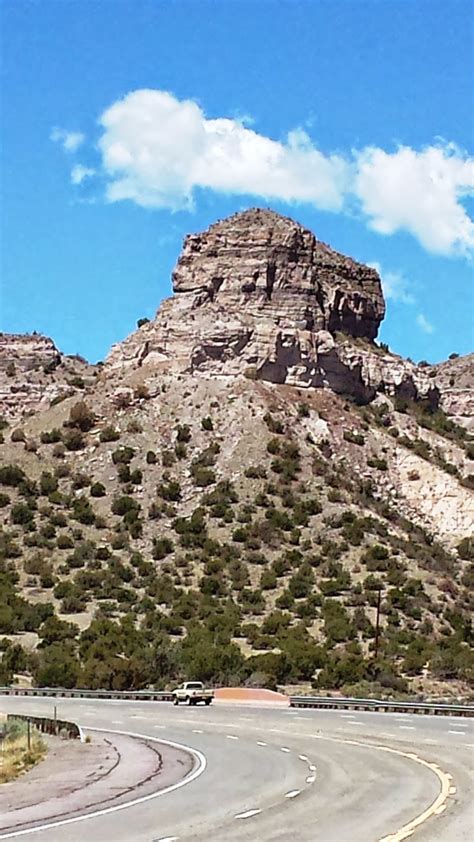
127 124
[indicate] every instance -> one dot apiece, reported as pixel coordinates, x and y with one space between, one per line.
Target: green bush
123 455
183 433
123 505
354 437
109 433
51 437
97 490
73 440
12 475
162 547
81 417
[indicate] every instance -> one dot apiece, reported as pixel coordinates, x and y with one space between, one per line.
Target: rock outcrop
258 294
33 373
455 380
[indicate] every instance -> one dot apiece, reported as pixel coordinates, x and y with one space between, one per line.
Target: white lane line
311 779
407 727
200 768
355 722
197 731
117 722
167 839
292 793
459 733
312 768
159 726
231 737
303 757
347 715
260 743
286 750
248 814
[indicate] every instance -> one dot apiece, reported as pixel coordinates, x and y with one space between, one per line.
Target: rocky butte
236 482
258 294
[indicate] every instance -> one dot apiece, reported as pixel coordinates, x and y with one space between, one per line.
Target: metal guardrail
47 725
62 692
334 703
327 702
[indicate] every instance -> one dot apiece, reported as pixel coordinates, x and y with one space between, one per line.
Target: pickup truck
192 692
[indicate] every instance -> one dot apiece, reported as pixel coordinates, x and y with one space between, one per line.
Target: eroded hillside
229 493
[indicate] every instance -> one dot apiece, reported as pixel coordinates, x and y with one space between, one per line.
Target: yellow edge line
436 808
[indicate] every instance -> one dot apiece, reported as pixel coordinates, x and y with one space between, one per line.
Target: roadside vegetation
269 580
16 755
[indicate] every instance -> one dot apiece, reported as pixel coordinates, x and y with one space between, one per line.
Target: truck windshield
194 685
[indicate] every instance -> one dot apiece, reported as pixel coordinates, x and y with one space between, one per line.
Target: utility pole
29 734
377 625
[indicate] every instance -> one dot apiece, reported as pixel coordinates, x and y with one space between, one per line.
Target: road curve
273 775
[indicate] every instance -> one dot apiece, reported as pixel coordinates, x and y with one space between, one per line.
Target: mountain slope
237 483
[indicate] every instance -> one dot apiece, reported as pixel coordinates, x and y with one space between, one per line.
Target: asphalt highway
264 774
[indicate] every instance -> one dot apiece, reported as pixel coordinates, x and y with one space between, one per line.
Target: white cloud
424 324
79 173
394 284
418 192
70 141
157 150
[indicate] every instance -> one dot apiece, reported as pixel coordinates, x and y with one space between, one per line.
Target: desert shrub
124 473
109 433
50 437
466 549
4 500
47 483
64 542
162 547
22 515
256 472
376 462
337 624
303 410
97 490
170 490
18 435
353 437
274 424
12 475
206 424
123 505
123 455
151 457
72 440
82 511
81 417
183 433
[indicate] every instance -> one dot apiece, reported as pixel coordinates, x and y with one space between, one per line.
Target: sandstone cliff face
33 373
455 381
259 294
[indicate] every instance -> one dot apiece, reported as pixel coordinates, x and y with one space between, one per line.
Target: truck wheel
188 700
208 701
176 700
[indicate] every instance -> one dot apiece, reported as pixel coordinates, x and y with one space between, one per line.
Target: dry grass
15 756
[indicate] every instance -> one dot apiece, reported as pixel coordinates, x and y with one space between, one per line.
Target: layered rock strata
258 294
